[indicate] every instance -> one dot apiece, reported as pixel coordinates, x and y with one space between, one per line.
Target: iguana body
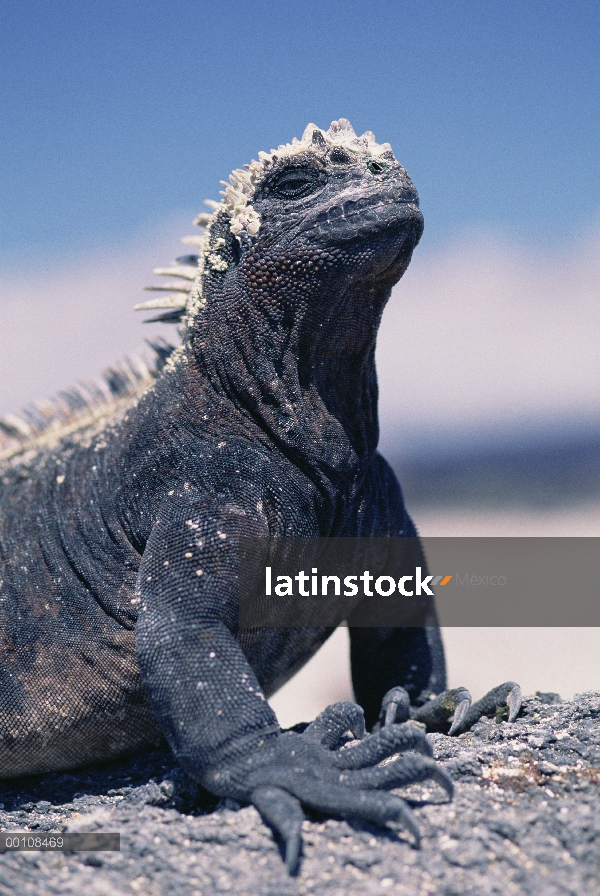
118 591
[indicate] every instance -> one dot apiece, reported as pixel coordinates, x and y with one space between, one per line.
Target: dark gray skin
118 575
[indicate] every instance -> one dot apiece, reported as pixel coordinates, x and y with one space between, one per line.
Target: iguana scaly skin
120 512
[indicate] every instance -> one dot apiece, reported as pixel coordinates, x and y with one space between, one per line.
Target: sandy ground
564 660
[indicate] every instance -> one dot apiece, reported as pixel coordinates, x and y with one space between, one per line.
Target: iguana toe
437 713
283 814
337 719
496 702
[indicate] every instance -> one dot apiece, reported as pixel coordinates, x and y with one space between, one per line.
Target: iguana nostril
375 167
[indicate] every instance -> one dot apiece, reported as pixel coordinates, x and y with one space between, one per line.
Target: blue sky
117 115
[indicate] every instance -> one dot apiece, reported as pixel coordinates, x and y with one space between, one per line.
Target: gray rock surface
525 820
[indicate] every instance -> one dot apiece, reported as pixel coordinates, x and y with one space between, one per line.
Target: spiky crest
81 406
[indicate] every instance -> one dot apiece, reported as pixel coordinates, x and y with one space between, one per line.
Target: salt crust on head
240 190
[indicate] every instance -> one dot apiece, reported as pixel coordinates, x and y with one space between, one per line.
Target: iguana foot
451 711
321 770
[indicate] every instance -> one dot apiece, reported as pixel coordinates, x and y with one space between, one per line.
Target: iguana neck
305 375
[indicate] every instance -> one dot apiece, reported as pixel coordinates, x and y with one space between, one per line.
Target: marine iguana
120 511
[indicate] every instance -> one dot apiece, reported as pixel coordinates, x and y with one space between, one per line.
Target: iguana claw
450 708
462 708
395 707
514 701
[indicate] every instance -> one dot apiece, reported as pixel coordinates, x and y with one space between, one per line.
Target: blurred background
119 118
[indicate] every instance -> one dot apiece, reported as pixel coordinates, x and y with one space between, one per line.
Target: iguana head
339 207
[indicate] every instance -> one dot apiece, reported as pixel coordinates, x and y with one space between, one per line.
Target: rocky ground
525 820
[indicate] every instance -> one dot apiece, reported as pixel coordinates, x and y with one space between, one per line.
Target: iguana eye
293 183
